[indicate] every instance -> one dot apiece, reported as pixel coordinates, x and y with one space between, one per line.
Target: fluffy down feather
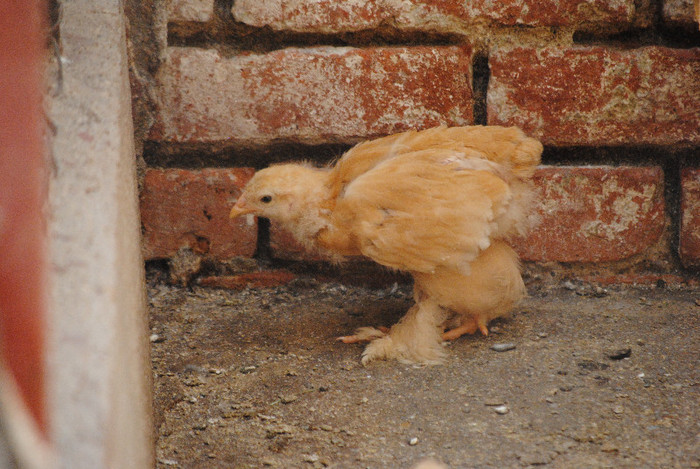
441 204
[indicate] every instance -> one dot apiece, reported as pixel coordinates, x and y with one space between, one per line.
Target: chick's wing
423 209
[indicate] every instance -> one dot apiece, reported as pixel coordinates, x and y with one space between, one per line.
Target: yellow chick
440 204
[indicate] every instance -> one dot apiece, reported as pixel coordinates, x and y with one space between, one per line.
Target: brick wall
611 87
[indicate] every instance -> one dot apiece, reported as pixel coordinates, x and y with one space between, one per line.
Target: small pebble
502 347
156 339
618 410
413 441
311 457
288 398
619 354
501 410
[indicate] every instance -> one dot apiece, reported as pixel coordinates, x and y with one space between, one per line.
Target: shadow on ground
255 379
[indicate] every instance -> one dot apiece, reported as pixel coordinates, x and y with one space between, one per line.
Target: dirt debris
255 378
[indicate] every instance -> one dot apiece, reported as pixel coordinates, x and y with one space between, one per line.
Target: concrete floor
597 378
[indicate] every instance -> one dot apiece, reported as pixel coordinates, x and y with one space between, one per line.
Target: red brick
595 214
183 208
680 12
447 16
311 95
690 217
190 10
262 279
598 96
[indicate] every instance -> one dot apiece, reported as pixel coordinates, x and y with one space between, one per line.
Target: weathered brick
595 214
587 214
598 96
311 95
446 16
190 10
690 217
183 208
680 12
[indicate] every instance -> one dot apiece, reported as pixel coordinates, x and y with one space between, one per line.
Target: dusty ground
254 379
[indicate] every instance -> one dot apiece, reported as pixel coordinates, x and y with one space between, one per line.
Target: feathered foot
414 339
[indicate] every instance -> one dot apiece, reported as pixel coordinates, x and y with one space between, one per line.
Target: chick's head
278 192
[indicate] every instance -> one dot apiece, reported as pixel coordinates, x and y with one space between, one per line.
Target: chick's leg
469 326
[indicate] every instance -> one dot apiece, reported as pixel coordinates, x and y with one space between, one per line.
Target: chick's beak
240 208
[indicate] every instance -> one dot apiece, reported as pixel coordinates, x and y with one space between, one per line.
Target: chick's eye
266 199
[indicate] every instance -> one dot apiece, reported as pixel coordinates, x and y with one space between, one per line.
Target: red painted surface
22 195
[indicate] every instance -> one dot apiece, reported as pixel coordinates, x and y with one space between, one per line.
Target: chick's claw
364 334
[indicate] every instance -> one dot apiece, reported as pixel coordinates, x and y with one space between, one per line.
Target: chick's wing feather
423 209
507 146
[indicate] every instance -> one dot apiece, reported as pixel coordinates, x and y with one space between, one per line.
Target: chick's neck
306 215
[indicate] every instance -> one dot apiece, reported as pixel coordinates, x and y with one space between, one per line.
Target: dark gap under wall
666 37
235 37
672 196
212 156
263 251
481 73
613 156
658 33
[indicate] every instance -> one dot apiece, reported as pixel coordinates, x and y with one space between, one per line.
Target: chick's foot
414 339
